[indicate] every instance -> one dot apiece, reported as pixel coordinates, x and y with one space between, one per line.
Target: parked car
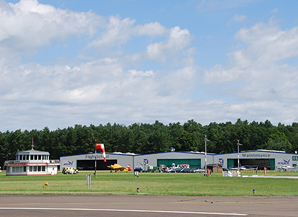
70 170
178 170
185 170
170 170
197 170
138 169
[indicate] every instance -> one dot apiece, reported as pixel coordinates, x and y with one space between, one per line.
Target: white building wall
49 170
71 161
152 158
125 159
281 158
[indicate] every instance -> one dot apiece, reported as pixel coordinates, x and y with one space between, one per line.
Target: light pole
238 153
206 154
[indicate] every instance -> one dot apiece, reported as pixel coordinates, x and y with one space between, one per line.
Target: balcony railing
30 161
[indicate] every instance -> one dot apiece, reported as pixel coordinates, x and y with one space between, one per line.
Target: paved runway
145 206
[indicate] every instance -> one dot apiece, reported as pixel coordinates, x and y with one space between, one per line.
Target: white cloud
256 74
120 31
237 18
151 29
108 88
178 40
158 81
275 10
29 24
267 43
90 91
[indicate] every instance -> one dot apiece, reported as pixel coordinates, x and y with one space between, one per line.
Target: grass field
178 184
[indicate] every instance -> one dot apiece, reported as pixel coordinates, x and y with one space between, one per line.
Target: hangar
87 161
256 158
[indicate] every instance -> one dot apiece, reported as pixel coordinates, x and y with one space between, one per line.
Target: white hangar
87 161
257 158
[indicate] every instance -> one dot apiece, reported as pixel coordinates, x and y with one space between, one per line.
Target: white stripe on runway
125 210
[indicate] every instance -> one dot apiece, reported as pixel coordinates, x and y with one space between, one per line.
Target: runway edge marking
124 210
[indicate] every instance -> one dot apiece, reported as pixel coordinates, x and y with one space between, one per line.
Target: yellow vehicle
70 170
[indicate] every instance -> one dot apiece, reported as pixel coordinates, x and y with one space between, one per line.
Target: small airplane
286 168
241 168
118 167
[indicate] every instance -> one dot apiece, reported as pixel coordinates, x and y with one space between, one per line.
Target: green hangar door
193 163
252 163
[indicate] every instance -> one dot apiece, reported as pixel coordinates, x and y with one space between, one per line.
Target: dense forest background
151 138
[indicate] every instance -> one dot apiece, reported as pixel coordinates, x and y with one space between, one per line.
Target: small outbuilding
214 167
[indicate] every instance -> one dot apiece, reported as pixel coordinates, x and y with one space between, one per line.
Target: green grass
179 184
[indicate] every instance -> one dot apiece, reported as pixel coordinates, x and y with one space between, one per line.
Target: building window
34 168
17 169
43 168
39 168
24 169
30 168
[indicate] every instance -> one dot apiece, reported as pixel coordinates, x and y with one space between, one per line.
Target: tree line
142 138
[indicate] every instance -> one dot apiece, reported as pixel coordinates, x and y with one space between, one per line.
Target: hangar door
252 163
90 164
193 163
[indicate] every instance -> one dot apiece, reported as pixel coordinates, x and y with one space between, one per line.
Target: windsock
102 147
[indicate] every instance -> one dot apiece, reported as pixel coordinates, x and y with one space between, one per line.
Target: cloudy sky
67 62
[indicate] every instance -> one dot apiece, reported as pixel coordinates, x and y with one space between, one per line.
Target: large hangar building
193 159
257 158
87 161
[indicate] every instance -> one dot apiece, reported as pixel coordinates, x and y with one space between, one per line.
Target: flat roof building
257 158
31 162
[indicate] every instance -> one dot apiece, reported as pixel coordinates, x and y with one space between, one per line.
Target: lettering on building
283 162
256 155
92 156
68 163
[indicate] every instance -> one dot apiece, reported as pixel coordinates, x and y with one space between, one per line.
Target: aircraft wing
117 167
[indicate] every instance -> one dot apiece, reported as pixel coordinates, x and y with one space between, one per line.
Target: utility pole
206 154
238 153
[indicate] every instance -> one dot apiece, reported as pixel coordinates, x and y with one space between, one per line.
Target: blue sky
67 62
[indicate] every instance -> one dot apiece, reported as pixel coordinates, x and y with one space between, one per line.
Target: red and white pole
95 164
102 147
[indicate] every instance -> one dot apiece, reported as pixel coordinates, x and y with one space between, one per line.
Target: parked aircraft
286 168
118 167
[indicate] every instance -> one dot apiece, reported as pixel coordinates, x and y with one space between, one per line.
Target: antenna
32 143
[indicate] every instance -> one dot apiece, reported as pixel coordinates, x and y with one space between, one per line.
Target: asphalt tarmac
145 206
